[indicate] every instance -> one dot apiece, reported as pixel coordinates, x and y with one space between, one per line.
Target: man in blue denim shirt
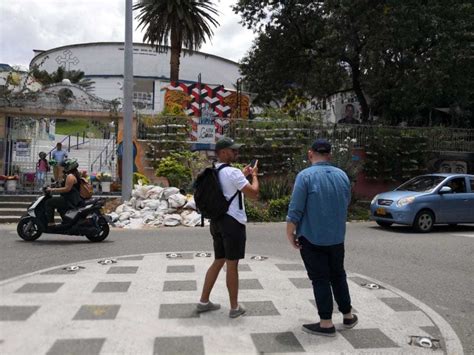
316 225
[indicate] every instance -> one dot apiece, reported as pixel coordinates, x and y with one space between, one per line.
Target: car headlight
374 199
405 201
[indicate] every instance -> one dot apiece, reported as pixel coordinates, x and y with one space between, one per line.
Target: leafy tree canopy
401 58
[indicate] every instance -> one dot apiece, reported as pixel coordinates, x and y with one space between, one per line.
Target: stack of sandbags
156 206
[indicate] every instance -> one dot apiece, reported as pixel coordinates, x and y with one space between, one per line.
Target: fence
172 131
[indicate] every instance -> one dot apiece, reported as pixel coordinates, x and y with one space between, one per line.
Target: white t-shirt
233 180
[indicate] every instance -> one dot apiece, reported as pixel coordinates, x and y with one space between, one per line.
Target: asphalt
433 271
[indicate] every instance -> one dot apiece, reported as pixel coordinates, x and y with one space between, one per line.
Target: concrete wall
106 59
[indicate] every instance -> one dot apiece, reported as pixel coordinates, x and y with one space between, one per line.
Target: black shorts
229 238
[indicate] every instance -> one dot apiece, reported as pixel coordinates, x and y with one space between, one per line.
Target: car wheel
424 221
384 224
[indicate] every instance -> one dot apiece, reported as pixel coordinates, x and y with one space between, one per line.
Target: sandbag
177 201
168 192
154 193
172 220
191 219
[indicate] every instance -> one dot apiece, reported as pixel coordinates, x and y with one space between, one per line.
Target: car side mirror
445 190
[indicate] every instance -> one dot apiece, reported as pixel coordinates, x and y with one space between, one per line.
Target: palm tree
75 76
177 22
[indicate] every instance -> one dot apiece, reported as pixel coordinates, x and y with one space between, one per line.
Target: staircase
13 207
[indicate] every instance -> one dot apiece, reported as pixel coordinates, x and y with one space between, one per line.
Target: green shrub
278 208
177 174
137 177
275 188
255 213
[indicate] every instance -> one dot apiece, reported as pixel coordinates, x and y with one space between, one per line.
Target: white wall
107 59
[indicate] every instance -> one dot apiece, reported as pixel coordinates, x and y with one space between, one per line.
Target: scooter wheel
27 229
102 233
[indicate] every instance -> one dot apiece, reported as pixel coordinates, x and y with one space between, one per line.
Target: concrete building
102 62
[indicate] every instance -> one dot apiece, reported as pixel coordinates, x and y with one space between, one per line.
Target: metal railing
68 139
106 155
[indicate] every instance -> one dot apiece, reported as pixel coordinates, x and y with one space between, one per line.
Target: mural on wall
218 105
452 162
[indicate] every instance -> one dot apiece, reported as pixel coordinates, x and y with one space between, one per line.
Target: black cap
321 146
227 142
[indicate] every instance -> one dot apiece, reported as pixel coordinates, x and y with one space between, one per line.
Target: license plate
381 211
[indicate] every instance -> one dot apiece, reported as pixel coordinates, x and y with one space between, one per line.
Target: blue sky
31 24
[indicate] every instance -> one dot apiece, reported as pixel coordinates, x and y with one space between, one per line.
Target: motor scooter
87 220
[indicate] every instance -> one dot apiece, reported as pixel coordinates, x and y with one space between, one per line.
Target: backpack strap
241 205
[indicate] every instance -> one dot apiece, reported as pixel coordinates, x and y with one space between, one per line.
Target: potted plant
11 182
105 180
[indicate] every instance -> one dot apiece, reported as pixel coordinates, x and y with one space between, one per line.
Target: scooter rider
69 194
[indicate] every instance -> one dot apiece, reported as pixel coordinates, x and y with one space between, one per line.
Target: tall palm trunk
175 55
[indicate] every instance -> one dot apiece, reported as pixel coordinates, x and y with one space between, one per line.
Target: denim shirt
319 203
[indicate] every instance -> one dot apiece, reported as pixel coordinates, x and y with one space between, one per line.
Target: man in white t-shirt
228 232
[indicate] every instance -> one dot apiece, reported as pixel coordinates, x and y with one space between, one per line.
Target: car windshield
421 184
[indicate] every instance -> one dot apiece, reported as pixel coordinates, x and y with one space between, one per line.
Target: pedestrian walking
42 168
228 230
316 225
59 155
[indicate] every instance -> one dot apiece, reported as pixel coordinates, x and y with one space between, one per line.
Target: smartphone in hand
253 163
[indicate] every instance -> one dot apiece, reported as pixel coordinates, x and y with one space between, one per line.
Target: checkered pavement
145 304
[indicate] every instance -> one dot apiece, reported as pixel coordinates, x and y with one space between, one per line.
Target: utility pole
127 158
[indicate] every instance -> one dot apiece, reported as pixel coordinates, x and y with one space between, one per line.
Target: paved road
434 268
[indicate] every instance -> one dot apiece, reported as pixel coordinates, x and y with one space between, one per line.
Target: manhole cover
372 286
424 342
73 268
203 255
107 261
174 255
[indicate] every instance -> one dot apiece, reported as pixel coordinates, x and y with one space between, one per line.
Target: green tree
178 23
400 58
75 76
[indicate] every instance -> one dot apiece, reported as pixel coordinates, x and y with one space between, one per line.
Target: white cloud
31 24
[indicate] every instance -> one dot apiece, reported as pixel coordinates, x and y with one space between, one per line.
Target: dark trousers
58 203
325 267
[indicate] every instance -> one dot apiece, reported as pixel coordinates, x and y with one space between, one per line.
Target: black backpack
208 195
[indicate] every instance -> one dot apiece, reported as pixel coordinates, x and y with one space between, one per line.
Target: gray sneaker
234 313
207 307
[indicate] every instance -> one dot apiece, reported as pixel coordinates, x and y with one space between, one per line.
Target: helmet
69 164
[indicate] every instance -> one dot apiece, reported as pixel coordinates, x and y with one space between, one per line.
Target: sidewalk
144 304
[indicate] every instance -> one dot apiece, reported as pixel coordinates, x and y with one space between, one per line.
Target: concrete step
17 198
15 219
12 211
19 204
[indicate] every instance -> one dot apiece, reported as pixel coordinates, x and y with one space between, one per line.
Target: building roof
40 52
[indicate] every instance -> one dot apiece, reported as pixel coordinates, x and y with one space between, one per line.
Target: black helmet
69 164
